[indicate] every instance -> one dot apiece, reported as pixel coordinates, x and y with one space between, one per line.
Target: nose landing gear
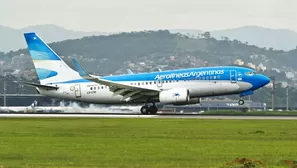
241 102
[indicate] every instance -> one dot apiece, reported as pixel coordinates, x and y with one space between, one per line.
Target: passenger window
91 88
101 87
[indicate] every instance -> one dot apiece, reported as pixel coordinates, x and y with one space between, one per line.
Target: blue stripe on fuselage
184 74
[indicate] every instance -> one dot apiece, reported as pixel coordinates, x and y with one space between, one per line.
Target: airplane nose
265 80
259 81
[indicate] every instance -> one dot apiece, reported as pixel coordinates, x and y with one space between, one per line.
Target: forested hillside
119 48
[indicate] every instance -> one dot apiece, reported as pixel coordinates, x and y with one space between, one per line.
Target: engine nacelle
174 96
191 101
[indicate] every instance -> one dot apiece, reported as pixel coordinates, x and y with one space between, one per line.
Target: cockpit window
249 73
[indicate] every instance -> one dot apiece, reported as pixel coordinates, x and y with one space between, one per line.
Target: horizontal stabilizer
129 71
40 86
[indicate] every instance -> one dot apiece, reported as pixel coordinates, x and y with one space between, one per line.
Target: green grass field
143 142
254 113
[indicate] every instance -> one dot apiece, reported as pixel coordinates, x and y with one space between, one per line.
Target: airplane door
159 83
233 76
77 91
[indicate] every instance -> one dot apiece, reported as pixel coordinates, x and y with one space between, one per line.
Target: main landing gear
149 109
241 102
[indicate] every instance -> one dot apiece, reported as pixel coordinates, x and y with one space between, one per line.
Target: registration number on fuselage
91 92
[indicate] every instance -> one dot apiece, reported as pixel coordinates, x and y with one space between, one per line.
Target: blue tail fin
50 68
38 49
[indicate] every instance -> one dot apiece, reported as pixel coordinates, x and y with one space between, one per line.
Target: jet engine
191 101
174 96
178 96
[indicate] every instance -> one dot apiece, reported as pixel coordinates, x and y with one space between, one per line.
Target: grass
141 142
254 113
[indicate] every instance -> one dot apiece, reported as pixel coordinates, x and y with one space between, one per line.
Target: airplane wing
128 92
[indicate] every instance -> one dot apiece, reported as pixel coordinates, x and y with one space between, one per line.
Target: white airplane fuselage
100 94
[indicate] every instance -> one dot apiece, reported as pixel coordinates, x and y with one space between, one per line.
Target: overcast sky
126 15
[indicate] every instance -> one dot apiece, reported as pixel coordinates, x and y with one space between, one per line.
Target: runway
219 117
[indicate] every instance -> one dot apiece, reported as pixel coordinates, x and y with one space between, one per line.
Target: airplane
177 87
17 109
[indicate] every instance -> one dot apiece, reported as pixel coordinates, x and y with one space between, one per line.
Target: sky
129 15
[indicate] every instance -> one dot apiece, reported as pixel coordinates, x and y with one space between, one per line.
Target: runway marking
147 116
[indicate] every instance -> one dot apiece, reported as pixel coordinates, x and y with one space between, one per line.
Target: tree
206 35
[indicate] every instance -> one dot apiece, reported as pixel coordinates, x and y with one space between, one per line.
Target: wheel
144 110
153 110
240 102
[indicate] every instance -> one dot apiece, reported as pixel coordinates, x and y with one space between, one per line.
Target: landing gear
240 102
153 110
149 109
144 109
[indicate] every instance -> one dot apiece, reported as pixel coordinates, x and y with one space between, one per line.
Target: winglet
129 71
80 69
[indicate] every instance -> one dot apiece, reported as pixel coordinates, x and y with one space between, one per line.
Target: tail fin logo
50 68
45 73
